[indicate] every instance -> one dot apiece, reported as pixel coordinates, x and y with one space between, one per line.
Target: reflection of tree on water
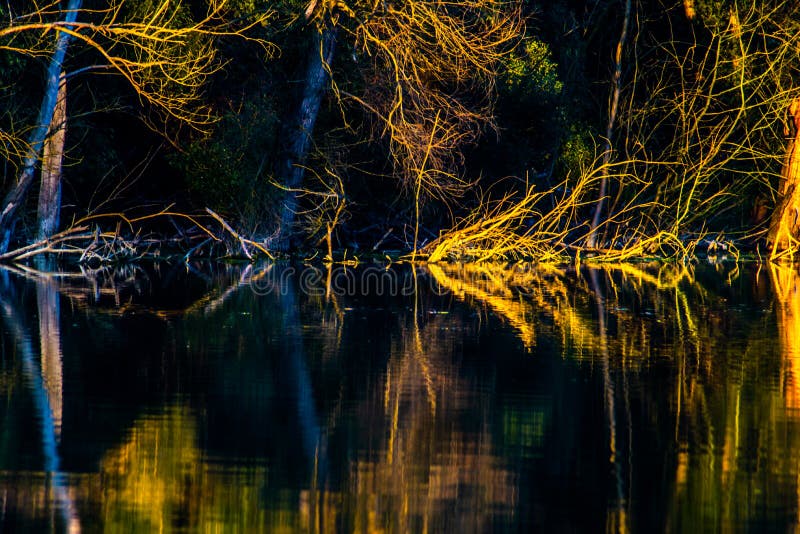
690 404
786 283
675 360
427 469
300 386
48 304
46 386
617 518
737 443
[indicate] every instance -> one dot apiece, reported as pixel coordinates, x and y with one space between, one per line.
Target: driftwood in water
89 242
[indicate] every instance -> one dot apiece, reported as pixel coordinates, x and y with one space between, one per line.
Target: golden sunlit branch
701 139
419 58
164 57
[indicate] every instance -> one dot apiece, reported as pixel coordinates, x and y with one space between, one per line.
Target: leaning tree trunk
591 240
15 197
298 130
52 158
784 230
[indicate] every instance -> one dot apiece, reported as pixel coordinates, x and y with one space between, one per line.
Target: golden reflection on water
523 295
786 286
424 473
729 402
733 402
157 480
492 285
786 283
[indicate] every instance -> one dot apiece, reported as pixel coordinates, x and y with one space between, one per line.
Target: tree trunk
52 158
16 195
591 240
298 130
784 230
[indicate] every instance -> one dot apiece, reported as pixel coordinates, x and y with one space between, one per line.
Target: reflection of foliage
704 394
151 478
157 481
433 471
729 388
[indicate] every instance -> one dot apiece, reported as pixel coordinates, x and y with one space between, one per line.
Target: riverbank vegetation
476 130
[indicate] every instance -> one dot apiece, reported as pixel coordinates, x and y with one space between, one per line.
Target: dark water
284 398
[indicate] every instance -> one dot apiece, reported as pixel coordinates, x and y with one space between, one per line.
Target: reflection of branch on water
400 373
525 296
43 391
121 284
88 286
215 299
619 512
488 284
426 468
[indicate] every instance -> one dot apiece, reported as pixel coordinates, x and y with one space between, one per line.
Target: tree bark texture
299 129
14 198
784 230
52 158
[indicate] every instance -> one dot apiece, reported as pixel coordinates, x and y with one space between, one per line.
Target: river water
450 398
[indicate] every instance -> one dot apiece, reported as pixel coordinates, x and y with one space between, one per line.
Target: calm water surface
287 398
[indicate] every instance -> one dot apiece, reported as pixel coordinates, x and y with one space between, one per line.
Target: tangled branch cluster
165 54
429 68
